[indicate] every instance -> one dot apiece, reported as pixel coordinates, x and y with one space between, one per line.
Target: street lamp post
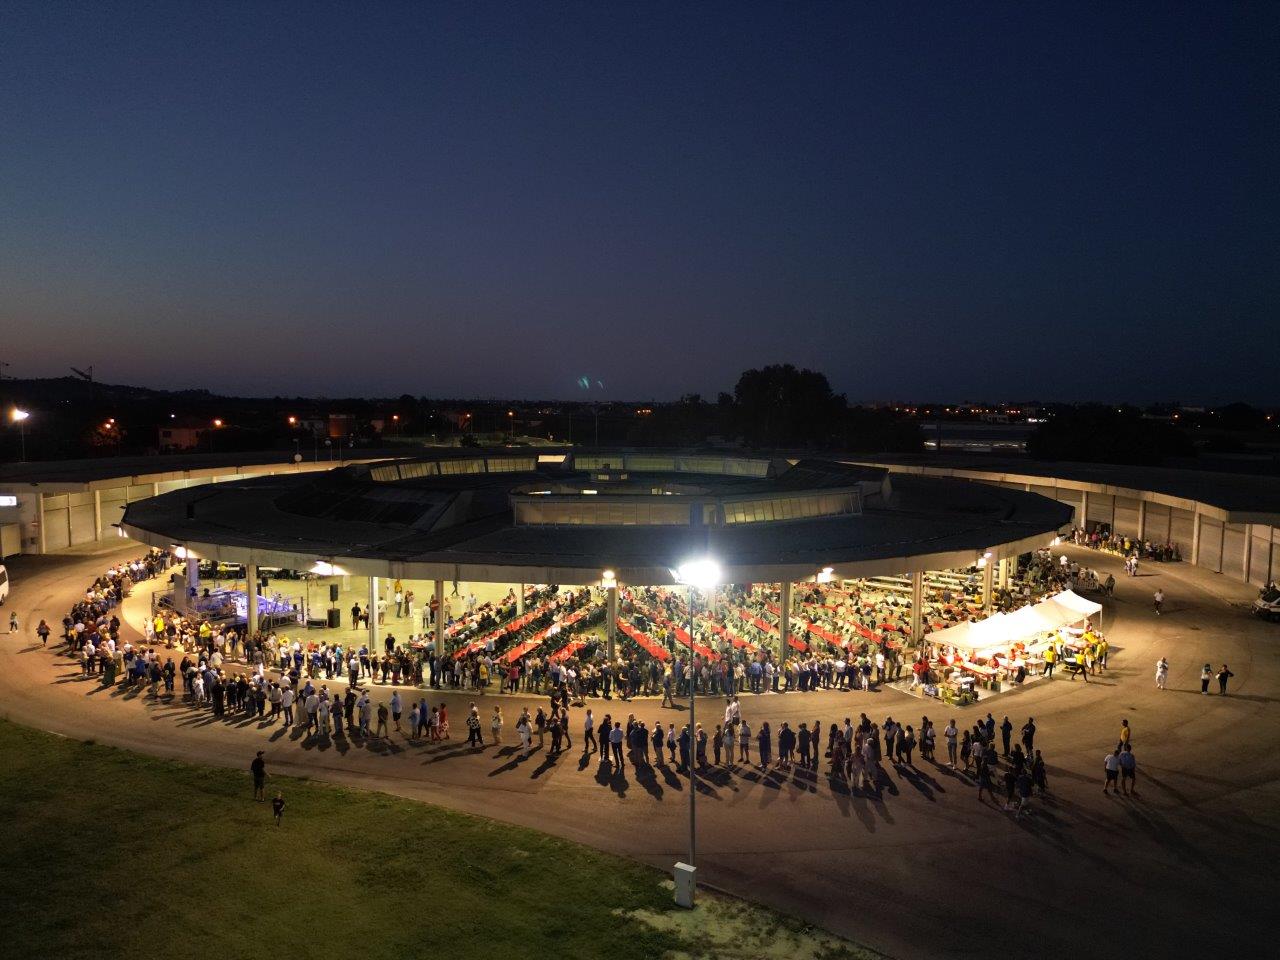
20 418
702 575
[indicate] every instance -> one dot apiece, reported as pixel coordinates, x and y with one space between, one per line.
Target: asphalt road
920 869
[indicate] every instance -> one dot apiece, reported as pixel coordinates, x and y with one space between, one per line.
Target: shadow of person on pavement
646 776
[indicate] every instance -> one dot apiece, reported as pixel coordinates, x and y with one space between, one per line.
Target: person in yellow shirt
1050 660
1125 732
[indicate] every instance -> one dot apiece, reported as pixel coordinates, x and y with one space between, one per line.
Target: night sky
476 199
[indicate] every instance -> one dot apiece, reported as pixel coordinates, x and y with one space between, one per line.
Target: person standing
259 770
615 744
1006 731
1126 733
1029 736
950 733
1162 673
277 807
1206 674
1223 676
985 785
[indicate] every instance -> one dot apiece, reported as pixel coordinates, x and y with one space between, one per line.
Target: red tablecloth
567 651
647 645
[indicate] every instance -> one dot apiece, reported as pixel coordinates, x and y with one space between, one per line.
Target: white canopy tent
1002 630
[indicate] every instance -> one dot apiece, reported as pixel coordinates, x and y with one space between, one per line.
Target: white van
4 584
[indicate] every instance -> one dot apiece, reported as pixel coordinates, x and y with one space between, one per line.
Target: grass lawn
110 854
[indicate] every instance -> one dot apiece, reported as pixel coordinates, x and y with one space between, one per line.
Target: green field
111 854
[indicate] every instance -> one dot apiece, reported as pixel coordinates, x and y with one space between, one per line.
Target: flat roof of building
1245 498
445 528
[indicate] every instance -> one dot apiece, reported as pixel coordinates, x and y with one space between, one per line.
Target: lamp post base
686 880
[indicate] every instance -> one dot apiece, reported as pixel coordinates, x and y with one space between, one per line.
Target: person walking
589 744
1111 765
1029 735
1159 601
495 725
1128 772
43 632
1162 673
277 807
259 770
1223 676
13 622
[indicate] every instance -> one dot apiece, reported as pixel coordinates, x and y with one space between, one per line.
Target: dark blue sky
926 200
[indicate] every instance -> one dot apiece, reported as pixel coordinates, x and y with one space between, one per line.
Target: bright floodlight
17 416
702 573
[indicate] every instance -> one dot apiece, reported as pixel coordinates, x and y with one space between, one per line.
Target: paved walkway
918 869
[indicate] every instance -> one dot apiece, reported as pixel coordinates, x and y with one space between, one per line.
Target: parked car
4 584
1267 605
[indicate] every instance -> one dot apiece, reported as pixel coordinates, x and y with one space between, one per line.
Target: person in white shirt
1111 764
951 733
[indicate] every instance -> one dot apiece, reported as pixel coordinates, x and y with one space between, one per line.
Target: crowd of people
1103 537
297 693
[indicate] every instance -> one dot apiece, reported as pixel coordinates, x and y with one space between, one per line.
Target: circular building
568 517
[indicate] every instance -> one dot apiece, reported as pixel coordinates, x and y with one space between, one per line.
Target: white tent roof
1001 630
1076 603
1031 620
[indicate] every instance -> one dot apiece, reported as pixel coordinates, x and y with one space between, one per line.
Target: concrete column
988 594
784 627
1248 549
611 616
1142 519
1195 539
373 614
1222 542
1005 564
917 606
520 601
251 586
44 547
193 571
440 617
97 514
1084 510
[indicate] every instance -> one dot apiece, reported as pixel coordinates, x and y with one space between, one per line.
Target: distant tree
1098 434
1242 417
782 406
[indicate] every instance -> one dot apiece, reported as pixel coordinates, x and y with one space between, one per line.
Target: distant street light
20 418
